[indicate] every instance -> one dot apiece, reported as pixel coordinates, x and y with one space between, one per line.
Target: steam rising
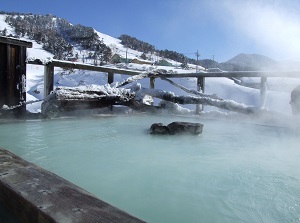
267 27
273 25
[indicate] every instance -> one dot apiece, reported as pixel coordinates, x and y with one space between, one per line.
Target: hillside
258 62
252 60
58 36
84 44
78 42
223 87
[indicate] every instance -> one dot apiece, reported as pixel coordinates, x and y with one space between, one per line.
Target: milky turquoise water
233 172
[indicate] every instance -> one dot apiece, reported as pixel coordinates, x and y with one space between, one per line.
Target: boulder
177 128
185 127
159 128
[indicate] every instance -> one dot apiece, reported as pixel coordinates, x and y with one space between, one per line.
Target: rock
50 106
295 100
159 128
185 127
177 128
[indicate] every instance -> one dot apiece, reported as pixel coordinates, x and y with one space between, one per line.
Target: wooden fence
263 75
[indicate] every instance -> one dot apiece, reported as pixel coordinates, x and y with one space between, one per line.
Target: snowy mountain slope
4 25
261 62
116 46
255 61
224 88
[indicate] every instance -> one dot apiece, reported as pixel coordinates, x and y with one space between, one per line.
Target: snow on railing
199 98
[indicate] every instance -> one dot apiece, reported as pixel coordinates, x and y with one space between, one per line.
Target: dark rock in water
295 100
177 128
185 127
159 128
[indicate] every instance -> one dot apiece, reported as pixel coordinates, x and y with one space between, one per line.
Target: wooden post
110 77
263 91
48 79
152 82
3 74
152 86
22 77
10 74
200 88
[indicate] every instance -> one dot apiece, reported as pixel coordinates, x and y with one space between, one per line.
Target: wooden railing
49 71
49 75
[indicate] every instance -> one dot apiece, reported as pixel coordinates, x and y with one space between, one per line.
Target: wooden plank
68 64
80 66
36 195
290 74
22 74
73 105
11 64
14 41
48 79
3 73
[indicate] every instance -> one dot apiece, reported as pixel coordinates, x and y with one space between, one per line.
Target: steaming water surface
233 172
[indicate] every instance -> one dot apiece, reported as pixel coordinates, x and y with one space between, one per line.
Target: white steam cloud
274 25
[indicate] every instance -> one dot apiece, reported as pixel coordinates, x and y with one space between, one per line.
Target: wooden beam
22 74
48 79
35 195
3 73
10 78
290 74
80 66
68 64
200 88
263 91
14 41
152 86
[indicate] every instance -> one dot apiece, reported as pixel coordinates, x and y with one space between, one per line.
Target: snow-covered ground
224 88
277 99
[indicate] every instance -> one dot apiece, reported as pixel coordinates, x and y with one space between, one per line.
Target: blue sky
216 28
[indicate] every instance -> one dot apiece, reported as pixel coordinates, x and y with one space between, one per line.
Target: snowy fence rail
49 71
49 75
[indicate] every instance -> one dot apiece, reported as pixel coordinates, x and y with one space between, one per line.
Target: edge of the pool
33 194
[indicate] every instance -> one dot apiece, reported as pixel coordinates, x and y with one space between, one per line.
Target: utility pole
126 56
200 85
197 56
213 63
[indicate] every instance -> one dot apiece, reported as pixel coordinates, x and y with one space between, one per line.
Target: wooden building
13 73
141 61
